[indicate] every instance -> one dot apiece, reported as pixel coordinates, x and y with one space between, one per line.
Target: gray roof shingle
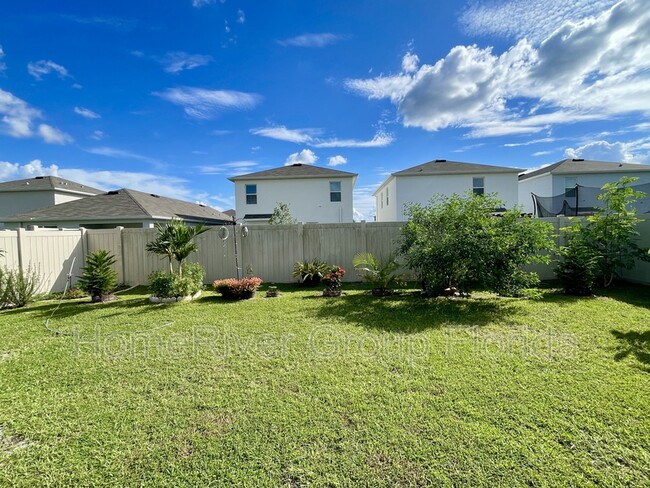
41 183
444 167
123 204
294 171
578 166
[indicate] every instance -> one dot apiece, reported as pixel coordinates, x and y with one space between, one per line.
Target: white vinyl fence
269 250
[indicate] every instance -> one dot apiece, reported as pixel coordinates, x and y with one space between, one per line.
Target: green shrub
98 278
161 284
18 288
170 285
579 266
310 273
381 274
609 236
458 242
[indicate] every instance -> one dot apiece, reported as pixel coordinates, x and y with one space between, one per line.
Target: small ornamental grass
234 288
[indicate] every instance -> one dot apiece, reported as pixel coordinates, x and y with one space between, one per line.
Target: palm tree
175 240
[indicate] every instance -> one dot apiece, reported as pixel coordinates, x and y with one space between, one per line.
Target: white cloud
14 171
306 156
364 203
86 113
282 133
637 151
309 137
533 19
589 70
542 153
18 119
380 139
177 61
337 161
3 66
201 3
98 135
528 143
52 135
112 152
410 63
201 103
45 67
17 115
241 16
311 40
118 23
231 168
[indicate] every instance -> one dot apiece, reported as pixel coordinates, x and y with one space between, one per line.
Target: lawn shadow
635 344
633 294
412 313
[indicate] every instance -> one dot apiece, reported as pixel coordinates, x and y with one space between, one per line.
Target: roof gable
44 183
295 171
578 166
444 167
123 204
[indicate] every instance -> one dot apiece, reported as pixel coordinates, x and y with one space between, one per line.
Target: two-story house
313 194
420 183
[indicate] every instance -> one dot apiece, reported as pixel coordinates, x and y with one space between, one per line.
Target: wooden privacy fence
269 250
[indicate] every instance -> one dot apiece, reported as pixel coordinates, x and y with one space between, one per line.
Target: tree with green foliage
608 238
175 241
282 215
459 242
98 279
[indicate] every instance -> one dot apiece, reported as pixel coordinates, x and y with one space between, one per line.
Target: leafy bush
282 215
171 285
579 265
457 242
18 288
98 278
609 237
381 274
233 288
310 273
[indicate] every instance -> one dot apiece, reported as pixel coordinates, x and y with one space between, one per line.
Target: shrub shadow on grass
412 313
635 344
632 294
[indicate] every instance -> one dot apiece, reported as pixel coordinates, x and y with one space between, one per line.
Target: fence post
19 246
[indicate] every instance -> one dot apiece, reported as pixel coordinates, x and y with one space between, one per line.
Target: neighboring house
125 208
420 183
40 192
554 186
313 194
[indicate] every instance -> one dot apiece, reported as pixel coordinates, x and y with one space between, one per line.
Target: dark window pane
251 199
335 196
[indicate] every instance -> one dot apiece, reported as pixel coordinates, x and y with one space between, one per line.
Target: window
387 201
478 185
335 191
251 194
382 199
570 183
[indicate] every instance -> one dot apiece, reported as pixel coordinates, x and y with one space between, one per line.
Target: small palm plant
381 274
175 241
98 278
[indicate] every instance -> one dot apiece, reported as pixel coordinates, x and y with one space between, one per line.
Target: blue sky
174 97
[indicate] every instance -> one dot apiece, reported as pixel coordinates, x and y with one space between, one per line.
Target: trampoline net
583 200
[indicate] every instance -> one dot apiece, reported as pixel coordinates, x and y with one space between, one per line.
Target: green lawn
356 391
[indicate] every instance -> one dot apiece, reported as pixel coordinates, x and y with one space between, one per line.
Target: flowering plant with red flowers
333 277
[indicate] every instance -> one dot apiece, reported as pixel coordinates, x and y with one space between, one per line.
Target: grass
356 391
